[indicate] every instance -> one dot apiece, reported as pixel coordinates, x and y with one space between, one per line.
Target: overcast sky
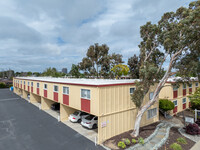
36 34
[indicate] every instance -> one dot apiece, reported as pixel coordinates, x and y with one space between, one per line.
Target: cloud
37 34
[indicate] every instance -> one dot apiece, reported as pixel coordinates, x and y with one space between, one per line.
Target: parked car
55 106
90 122
77 116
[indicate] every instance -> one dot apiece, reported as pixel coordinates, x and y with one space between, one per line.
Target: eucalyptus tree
173 38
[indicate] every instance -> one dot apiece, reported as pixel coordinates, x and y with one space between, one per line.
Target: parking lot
24 127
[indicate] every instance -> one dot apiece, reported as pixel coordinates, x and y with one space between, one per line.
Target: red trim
104 85
45 93
32 89
55 96
65 99
38 91
85 105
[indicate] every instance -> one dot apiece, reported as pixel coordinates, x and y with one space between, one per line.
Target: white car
77 116
90 122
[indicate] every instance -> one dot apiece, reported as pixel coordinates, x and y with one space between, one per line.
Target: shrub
181 140
141 140
166 104
198 122
175 146
127 141
121 145
192 129
2 85
195 99
133 141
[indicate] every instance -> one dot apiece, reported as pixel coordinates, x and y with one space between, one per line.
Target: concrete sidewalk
196 146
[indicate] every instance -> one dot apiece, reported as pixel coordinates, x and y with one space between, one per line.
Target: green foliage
175 146
2 85
29 73
195 99
137 94
52 72
121 145
181 140
133 141
134 66
127 141
166 104
75 71
141 140
120 70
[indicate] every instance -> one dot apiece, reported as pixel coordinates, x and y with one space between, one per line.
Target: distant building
64 70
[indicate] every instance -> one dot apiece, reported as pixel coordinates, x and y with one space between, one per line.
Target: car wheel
79 121
94 126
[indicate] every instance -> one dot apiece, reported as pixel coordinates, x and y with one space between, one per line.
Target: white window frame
54 88
185 100
133 90
38 85
28 83
31 84
24 82
151 95
67 89
184 84
190 85
21 82
197 84
176 103
86 94
46 86
154 115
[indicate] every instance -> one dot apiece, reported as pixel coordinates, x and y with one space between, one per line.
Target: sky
37 34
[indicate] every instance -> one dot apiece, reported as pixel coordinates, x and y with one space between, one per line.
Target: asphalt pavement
24 127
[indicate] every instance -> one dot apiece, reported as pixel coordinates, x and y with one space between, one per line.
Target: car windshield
89 117
76 113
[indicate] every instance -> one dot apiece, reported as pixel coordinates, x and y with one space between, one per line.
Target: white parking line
9 99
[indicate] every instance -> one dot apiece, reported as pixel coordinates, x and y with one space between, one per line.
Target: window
152 113
132 90
184 86
190 85
184 100
38 85
175 103
85 93
151 95
24 83
65 90
45 86
55 88
28 83
197 84
175 88
21 82
32 84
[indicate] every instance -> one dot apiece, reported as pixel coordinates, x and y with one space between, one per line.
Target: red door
38 91
21 86
85 105
175 109
55 96
189 104
184 92
32 89
65 99
24 87
45 93
175 94
28 88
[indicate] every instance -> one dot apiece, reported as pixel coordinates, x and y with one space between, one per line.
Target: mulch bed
145 132
173 135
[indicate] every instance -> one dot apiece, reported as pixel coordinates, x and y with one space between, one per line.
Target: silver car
77 116
90 122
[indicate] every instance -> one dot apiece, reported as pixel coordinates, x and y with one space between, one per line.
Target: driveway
24 127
